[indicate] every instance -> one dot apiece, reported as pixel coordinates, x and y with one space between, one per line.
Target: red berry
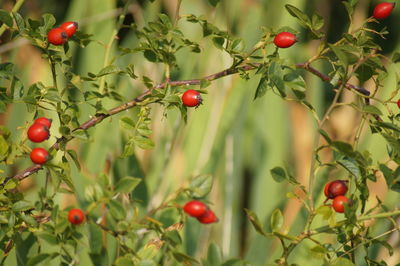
383 10
195 208
76 216
57 36
398 103
335 188
69 27
208 217
44 121
38 132
326 189
339 202
285 39
191 98
39 155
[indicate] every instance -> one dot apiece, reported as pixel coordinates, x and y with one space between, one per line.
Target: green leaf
218 42
325 211
4 148
6 18
29 220
111 69
371 110
74 158
172 99
214 254
22 206
214 2
318 252
173 237
49 238
20 21
342 57
204 83
143 142
275 76
37 259
351 166
342 262
150 55
124 261
325 135
182 257
10 184
388 126
317 21
386 245
342 147
116 209
387 173
201 185
278 174
80 134
276 221
127 184
396 57
262 87
48 22
127 123
165 20
96 238
297 13
252 216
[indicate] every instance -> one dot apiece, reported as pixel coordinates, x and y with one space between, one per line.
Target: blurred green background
230 136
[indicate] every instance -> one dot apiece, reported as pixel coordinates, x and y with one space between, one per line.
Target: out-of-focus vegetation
232 137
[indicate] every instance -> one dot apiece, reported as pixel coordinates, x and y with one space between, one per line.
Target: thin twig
97 118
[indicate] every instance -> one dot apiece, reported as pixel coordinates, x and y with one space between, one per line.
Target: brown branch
326 78
97 118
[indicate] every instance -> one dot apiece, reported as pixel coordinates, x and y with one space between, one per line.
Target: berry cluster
336 190
58 36
76 216
200 211
39 132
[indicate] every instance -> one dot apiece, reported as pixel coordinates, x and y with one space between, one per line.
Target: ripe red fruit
285 39
208 217
38 132
69 27
39 155
44 121
76 216
335 188
339 202
383 10
398 103
191 98
57 36
326 189
195 208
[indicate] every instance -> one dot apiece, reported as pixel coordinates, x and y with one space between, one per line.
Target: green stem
326 228
110 43
16 7
53 72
